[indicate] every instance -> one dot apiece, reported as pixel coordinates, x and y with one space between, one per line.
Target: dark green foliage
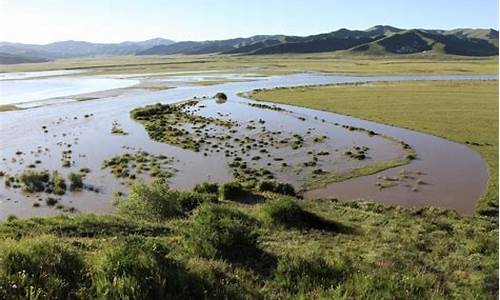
35 181
76 181
282 211
158 202
297 274
207 188
165 123
286 212
265 106
218 232
276 187
191 200
231 190
220 96
128 271
43 181
44 268
58 184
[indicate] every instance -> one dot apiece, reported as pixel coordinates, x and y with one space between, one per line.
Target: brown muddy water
445 174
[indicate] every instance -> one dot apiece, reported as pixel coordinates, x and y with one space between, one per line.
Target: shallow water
38 74
455 175
27 90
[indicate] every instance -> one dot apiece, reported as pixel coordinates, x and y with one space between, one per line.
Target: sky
45 21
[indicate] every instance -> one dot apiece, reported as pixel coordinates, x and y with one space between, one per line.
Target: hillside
8 59
378 40
454 42
67 49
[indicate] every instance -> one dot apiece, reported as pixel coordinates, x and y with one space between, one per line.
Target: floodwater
454 175
28 87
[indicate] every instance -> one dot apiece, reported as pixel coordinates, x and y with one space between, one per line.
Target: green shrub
207 188
296 274
218 232
128 271
76 181
276 187
45 268
191 200
286 212
220 96
157 202
58 184
149 202
231 190
282 211
35 181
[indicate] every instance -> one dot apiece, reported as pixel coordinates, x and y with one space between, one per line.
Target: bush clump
158 202
283 211
231 190
297 274
42 268
35 181
276 187
220 96
43 181
206 188
75 181
138 269
218 232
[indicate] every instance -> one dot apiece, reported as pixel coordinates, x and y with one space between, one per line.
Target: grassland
272 64
462 111
191 245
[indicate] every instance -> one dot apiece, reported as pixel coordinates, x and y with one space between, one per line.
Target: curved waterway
448 174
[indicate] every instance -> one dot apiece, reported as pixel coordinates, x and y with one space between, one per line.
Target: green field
462 111
155 248
341 63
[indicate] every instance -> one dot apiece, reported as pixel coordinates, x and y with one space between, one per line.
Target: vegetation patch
41 268
218 232
166 123
158 202
32 181
117 129
296 274
130 166
276 187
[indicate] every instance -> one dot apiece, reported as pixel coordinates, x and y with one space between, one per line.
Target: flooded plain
70 136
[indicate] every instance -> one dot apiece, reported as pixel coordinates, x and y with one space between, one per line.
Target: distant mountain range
377 40
17 52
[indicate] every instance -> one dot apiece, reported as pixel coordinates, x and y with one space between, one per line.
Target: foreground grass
167 245
462 111
272 64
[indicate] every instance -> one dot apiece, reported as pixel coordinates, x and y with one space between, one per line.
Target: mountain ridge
376 40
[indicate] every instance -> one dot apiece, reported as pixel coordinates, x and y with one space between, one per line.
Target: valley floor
340 63
279 247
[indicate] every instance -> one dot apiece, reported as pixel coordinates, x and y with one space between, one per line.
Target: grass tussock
219 232
158 202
